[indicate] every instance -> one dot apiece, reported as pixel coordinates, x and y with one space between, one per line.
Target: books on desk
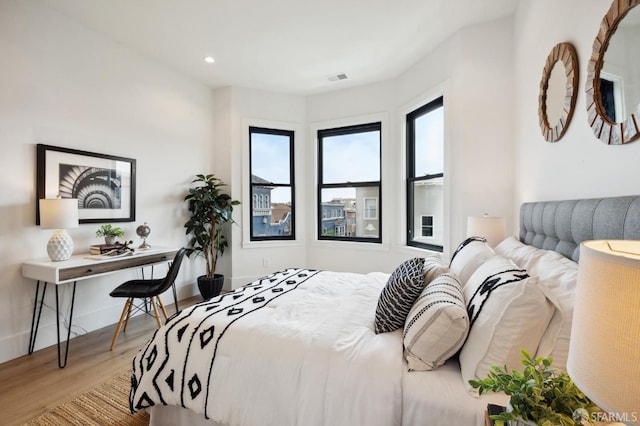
104 248
109 255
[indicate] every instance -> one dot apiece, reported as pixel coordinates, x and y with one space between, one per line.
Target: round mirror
558 91
613 80
555 94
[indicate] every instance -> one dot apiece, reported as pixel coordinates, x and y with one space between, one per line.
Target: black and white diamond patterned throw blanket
169 369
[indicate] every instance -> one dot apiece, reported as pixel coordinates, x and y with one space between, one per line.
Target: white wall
579 165
63 85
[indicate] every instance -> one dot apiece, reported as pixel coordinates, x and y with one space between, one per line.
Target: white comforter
306 355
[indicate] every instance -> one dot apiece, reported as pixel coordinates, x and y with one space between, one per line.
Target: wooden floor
33 384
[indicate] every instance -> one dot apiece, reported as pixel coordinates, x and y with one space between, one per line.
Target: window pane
272 184
370 208
271 211
353 157
428 211
270 158
429 143
427 226
350 212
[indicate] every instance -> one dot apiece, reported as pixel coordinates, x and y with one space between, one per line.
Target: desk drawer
67 274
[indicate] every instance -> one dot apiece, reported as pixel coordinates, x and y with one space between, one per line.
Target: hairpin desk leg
35 322
66 351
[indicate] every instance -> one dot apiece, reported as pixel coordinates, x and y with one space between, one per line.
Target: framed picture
105 185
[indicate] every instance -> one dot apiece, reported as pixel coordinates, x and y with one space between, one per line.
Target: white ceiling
288 46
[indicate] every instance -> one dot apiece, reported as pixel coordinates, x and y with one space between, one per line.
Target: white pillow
507 312
524 255
557 276
437 324
433 266
469 255
559 284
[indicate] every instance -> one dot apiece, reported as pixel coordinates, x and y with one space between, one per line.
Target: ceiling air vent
337 77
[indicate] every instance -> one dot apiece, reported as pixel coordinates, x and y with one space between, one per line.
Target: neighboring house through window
349 183
427 226
272 184
425 176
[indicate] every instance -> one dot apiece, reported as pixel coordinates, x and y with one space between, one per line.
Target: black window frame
291 135
339 131
411 178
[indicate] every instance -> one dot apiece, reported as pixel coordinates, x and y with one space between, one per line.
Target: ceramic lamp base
60 246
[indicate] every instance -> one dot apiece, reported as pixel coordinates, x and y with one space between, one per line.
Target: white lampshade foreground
604 353
490 227
59 214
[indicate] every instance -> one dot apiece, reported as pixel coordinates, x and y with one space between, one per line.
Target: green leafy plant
108 230
539 393
210 209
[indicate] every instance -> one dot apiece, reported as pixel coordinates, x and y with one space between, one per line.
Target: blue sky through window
429 155
351 158
270 157
270 161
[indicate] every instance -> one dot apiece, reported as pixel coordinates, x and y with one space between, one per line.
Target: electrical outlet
265 262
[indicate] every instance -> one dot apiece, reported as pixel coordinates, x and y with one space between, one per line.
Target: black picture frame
105 185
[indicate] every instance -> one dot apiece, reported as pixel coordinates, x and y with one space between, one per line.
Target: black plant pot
210 287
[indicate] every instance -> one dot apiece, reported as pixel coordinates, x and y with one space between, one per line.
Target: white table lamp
489 227
59 214
604 352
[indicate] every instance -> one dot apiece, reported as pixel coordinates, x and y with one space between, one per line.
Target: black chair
143 289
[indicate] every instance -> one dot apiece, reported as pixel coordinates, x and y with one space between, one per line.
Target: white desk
82 267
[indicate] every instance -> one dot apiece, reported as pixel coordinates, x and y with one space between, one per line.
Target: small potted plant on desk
109 232
210 210
540 395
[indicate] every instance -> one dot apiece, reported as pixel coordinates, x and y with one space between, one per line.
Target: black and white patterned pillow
437 324
470 254
507 311
402 289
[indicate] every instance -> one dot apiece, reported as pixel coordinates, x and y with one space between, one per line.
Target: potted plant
109 232
540 395
210 210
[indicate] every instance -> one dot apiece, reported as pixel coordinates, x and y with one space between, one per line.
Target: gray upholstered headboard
562 225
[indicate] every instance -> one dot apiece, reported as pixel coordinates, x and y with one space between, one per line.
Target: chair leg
164 311
155 310
126 321
125 309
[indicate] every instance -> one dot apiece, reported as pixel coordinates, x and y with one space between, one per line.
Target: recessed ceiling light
209 59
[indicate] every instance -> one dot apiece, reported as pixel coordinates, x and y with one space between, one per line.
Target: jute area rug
105 405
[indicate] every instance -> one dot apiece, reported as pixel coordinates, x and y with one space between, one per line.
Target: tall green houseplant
210 210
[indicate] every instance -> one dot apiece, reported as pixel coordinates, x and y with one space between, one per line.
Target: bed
309 347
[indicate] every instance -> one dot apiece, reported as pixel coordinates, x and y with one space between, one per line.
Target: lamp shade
59 213
489 227
604 352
